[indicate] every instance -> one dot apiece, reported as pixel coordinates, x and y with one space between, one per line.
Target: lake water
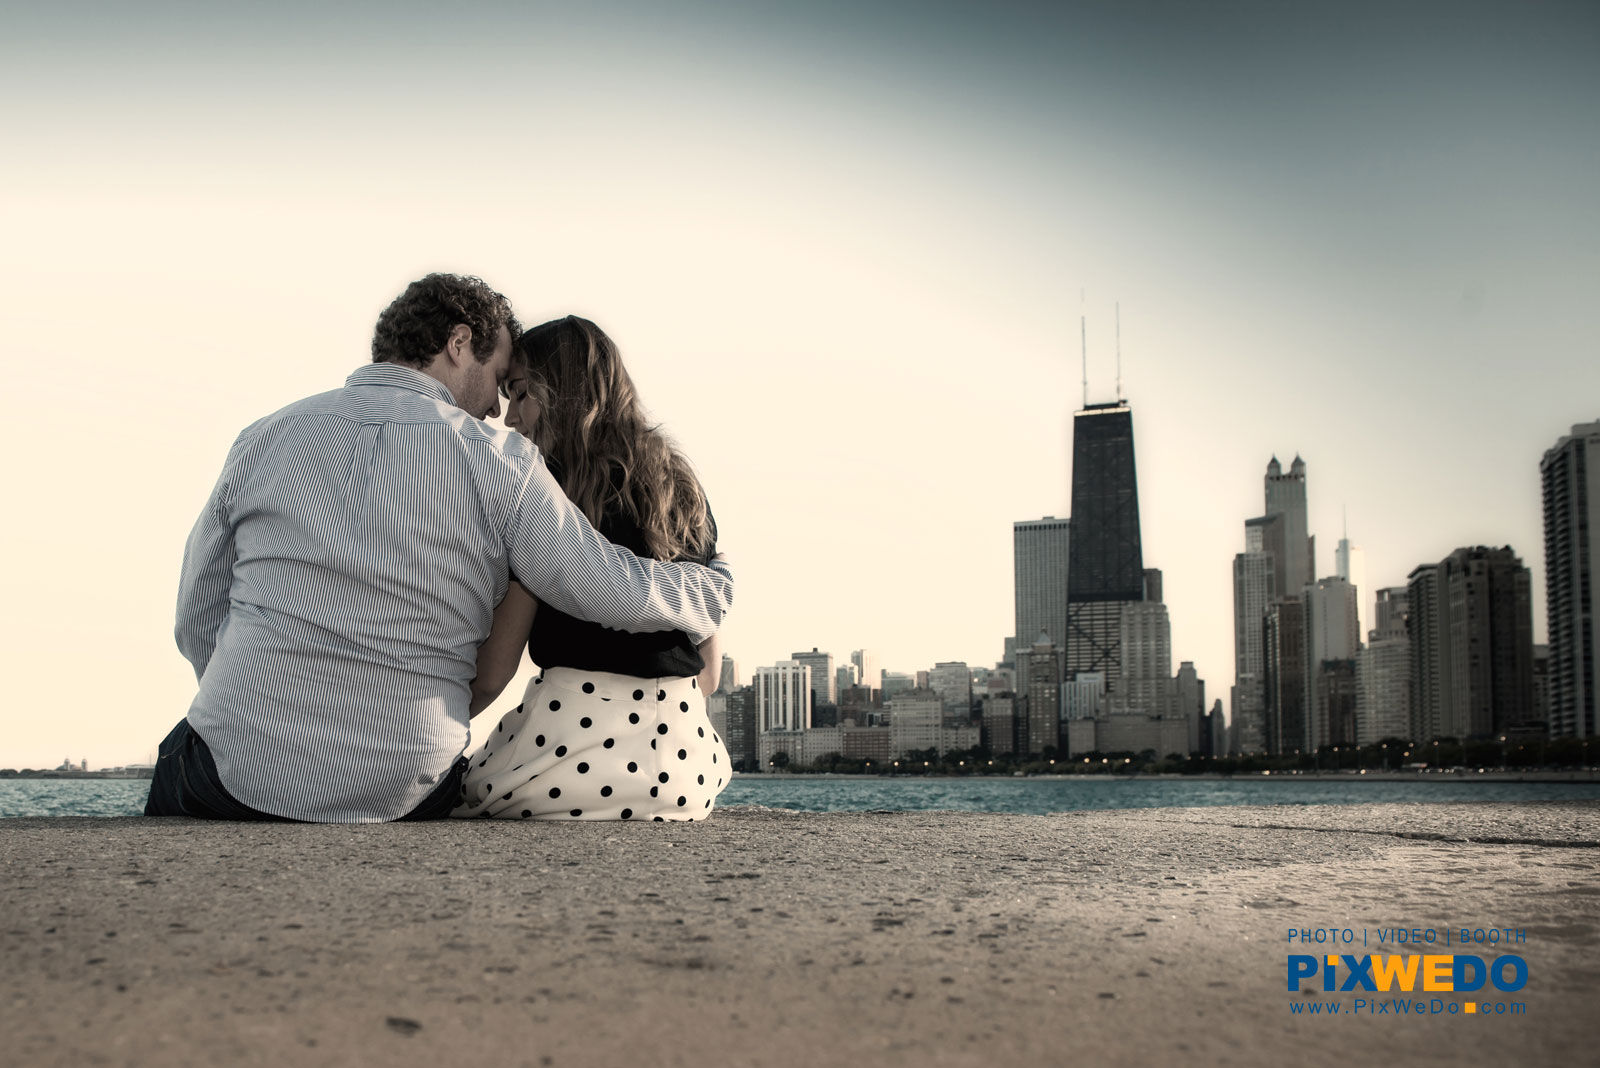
125 797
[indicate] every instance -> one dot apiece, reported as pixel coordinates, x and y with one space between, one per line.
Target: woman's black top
559 640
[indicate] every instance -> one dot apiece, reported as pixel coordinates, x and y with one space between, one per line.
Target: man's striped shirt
341 577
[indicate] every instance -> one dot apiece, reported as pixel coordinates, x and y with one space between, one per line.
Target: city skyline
845 252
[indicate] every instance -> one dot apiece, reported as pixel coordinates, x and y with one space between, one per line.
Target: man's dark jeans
186 784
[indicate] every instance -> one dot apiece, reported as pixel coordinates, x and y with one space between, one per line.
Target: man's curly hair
416 326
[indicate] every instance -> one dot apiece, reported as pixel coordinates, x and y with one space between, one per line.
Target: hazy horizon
842 250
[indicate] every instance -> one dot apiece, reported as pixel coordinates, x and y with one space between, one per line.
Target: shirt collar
401 376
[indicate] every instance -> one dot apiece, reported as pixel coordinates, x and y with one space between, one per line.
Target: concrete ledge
763 937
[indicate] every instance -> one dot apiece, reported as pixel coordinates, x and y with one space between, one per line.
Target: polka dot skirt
589 745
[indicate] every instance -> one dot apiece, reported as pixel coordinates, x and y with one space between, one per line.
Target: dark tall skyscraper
1106 561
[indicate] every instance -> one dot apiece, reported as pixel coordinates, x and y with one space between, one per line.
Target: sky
845 250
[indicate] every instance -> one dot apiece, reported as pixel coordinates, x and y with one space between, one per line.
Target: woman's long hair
605 455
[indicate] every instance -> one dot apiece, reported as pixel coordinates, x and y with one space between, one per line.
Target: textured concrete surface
761 937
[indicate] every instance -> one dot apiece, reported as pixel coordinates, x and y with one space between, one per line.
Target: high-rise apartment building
822 677
1039 673
1570 473
1491 640
1254 588
1191 702
1147 683
952 681
1286 725
868 672
1471 627
1106 562
783 696
729 679
1039 554
1383 672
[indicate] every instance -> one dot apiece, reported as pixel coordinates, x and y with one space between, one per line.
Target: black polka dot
605 791
555 791
583 769
682 801
708 802
701 779
694 684
683 706
719 782
555 706
526 813
701 731
661 695
713 758
683 754
632 766
561 750
586 723
714 738
538 680
538 740
577 812
660 820
506 798
638 695
627 813
509 737
654 790
610 742
488 787
482 762
652 743
661 728
500 726
588 687
663 777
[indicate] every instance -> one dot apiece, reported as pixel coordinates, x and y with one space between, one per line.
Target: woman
615 726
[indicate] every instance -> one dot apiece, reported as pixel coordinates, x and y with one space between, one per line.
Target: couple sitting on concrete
373 560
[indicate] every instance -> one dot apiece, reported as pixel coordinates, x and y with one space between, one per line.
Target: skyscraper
822 677
1254 588
1471 627
783 697
1105 560
1383 672
1350 564
952 681
1285 718
1491 640
1040 548
1571 476
1286 496
1039 674
868 673
1331 638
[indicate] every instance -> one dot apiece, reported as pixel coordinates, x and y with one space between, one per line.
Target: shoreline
1452 776
781 939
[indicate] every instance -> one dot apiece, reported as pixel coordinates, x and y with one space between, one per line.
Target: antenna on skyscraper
1119 352
1083 334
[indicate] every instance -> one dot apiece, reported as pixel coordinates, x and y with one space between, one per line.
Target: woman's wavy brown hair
604 453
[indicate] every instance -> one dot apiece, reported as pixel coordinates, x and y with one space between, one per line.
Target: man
341 577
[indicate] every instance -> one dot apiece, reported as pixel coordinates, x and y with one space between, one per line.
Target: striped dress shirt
344 571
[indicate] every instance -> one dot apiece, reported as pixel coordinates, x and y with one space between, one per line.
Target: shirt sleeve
558 555
207 575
